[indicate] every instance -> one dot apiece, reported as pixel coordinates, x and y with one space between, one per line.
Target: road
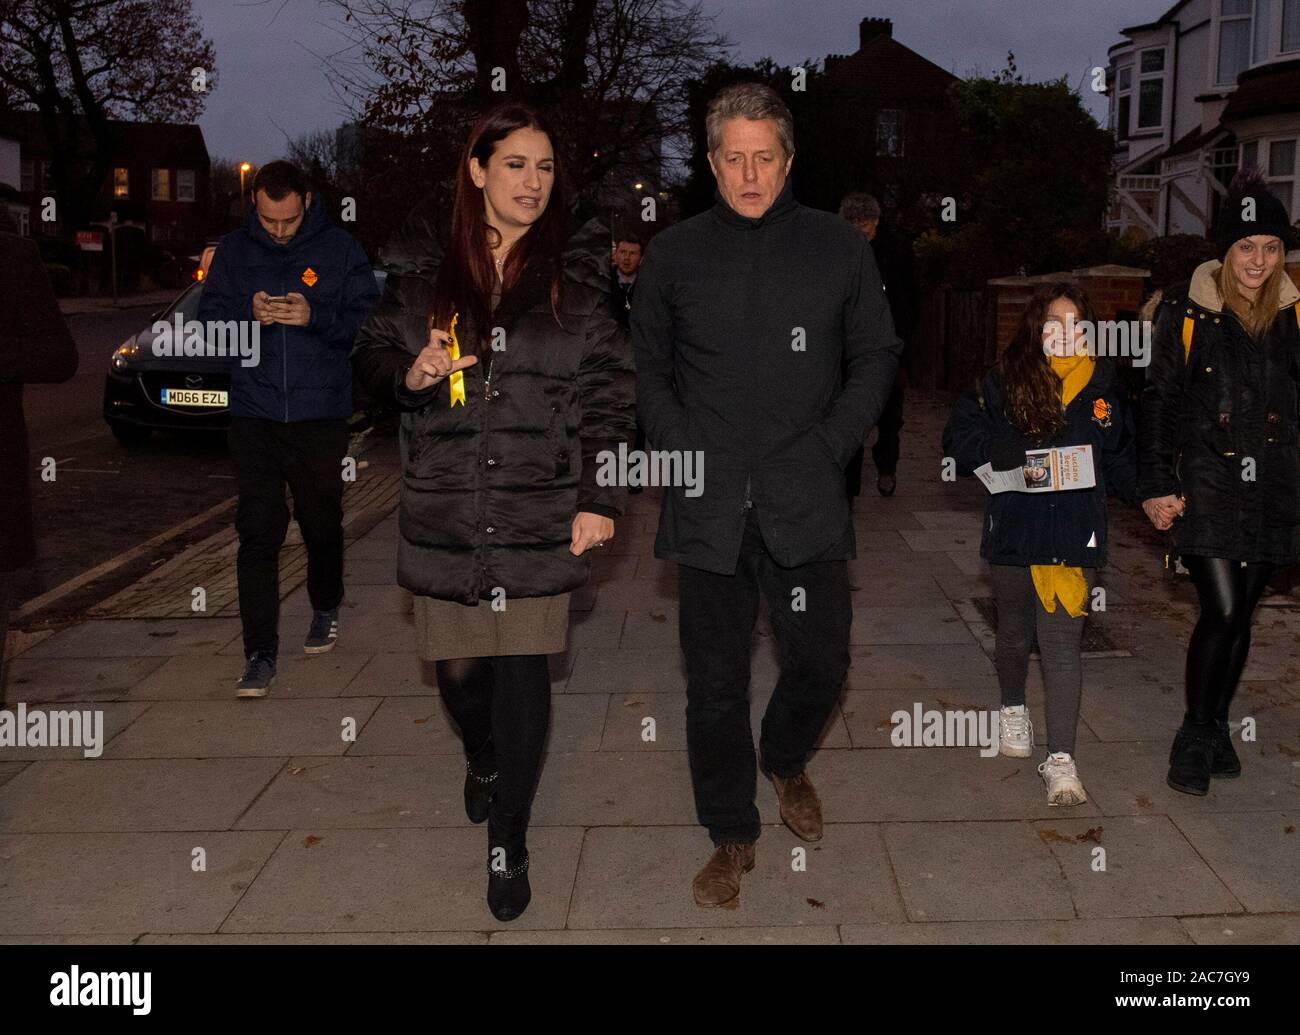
106 497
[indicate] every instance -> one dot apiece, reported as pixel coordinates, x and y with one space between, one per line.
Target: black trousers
307 457
1216 655
717 615
885 450
503 708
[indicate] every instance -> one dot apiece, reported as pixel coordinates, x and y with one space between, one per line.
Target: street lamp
244 169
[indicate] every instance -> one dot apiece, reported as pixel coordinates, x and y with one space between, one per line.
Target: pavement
331 811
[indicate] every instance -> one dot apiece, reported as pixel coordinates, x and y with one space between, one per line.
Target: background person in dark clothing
622 278
35 348
894 260
747 319
310 286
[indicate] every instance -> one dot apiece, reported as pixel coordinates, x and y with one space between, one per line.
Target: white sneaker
1062 779
1015 732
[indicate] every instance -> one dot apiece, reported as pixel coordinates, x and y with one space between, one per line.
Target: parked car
144 393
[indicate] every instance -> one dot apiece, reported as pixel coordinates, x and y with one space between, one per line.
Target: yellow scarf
1056 580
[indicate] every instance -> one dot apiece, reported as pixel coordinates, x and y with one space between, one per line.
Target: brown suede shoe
801 809
719 882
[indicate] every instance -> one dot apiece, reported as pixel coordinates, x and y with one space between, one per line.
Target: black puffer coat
1025 528
490 488
1232 400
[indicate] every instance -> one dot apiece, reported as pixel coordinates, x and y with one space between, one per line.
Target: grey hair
749 101
859 207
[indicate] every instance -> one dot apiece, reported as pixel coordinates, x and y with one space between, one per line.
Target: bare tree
100 60
611 74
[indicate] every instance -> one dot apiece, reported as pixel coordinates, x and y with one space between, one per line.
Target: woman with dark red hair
512 377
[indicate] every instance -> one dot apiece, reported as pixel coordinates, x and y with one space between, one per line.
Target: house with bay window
1208 87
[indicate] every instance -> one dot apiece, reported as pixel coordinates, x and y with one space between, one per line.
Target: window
27 174
1123 101
1280 173
184 184
1151 88
162 185
1234 39
47 175
121 182
1250 154
1291 24
1263 30
889 133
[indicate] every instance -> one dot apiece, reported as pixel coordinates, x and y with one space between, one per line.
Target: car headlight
124 354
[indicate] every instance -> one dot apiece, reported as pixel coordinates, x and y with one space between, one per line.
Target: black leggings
503 708
1220 642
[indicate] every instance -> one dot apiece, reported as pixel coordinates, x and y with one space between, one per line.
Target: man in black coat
622 278
35 348
763 345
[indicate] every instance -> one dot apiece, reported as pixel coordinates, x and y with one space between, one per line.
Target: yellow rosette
457 379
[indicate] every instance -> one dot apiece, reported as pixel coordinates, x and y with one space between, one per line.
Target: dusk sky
273 85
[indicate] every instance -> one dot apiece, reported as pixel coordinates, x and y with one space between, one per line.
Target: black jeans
308 457
1217 652
503 708
717 615
885 450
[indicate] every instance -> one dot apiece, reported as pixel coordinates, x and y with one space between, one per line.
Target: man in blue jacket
309 286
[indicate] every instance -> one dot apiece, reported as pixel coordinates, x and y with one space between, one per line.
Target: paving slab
36 680
299 938
1243 930
604 670
1144 931
394 674
133 795
242 729
399 881
370 792
358 600
135 638
88 883
963 667
674 936
422 725
214 677
1255 854
8 770
908 625
605 788
1150 869
976 871
633 878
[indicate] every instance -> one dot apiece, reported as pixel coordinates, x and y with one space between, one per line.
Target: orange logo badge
309 277
1101 412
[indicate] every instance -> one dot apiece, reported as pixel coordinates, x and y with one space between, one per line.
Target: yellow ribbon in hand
457 379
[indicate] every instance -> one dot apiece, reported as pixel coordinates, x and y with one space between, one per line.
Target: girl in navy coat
1044 549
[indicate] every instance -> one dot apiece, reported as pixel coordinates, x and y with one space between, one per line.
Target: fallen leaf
1143 801
295 770
309 840
1092 834
815 904
1049 837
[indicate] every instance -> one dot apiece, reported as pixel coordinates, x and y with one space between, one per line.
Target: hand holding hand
590 530
1162 510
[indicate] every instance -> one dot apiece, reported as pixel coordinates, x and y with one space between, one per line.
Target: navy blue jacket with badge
303 373
1058 527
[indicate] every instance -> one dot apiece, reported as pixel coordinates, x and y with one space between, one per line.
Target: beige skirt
445 629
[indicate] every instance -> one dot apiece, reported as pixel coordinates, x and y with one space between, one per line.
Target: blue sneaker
259 674
324 632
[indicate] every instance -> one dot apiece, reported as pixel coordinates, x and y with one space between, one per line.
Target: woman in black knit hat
1219 465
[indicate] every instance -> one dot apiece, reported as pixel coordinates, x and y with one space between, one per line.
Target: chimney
870 28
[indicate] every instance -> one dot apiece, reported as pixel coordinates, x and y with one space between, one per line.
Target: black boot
478 793
508 891
1226 764
1191 758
